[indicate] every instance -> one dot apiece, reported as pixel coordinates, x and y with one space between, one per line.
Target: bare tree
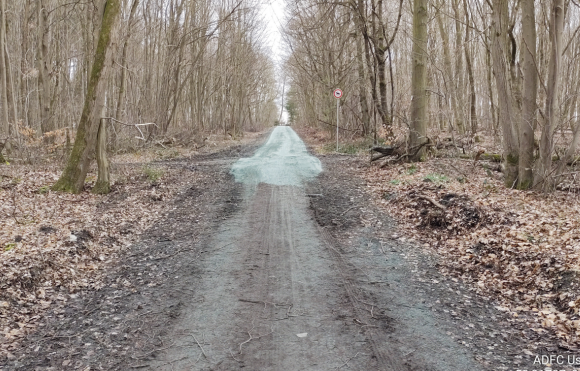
418 130
501 58
547 142
5 125
74 175
530 93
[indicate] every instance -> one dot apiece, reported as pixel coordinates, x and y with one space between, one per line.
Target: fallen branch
200 347
347 361
416 149
265 303
422 197
347 210
384 152
253 338
395 151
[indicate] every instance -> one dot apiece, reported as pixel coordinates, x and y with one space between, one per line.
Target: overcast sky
273 11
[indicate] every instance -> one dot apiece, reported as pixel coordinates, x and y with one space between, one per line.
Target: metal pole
337 125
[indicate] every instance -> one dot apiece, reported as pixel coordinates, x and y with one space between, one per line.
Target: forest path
275 293
284 270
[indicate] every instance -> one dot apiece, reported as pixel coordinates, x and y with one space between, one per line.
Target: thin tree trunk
472 95
380 50
103 184
73 177
494 118
123 86
5 124
541 178
417 135
372 68
24 103
515 79
44 91
449 80
530 93
459 79
391 116
362 87
12 104
500 60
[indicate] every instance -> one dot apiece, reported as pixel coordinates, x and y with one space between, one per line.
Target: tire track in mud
385 359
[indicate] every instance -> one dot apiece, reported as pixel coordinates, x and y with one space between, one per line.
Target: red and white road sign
337 93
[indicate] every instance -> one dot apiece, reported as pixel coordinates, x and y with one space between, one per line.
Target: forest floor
54 246
107 282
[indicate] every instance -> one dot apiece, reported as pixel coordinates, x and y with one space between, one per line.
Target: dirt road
276 292
282 270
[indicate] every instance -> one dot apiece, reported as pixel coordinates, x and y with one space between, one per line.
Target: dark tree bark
103 185
469 65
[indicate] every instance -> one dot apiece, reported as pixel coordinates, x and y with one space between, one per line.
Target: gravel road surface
276 293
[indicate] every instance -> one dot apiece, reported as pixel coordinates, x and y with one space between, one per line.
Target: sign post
337 94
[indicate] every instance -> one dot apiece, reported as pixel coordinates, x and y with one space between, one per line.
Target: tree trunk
459 80
12 105
4 124
500 58
380 50
123 86
73 177
472 95
103 184
450 84
24 104
418 131
530 93
494 118
362 87
541 178
44 91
